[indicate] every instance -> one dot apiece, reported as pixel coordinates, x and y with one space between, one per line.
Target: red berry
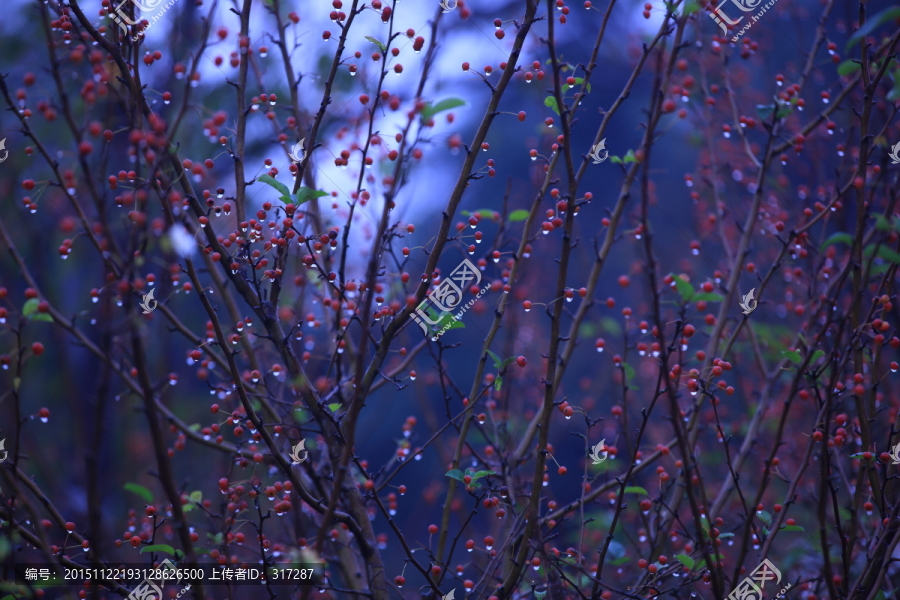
37 348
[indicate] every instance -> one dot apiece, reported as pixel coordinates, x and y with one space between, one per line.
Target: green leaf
882 224
765 111
841 237
725 535
636 489
275 184
620 561
196 496
443 319
507 361
446 104
496 360
685 289
480 474
140 490
686 560
29 309
847 67
159 548
578 81
306 194
518 215
377 43
765 516
615 159
498 383
690 8
334 406
871 25
611 326
629 157
629 372
816 356
707 297
550 101
793 356
883 252
454 474
792 528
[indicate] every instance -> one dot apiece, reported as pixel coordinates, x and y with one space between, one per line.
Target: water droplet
727 134
44 419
